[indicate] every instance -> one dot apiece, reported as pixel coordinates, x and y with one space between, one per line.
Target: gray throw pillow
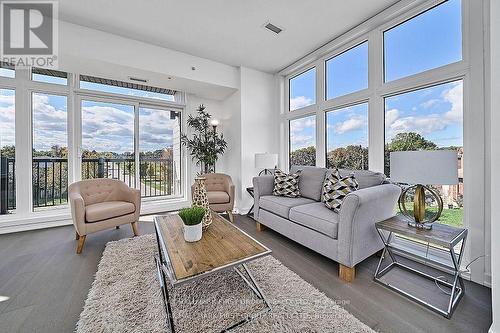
286 185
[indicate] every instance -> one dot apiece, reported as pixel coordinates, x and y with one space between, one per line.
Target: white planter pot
193 233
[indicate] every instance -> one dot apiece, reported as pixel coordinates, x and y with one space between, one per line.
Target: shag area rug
125 297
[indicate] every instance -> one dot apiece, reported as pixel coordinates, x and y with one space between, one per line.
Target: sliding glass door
159 152
135 143
107 141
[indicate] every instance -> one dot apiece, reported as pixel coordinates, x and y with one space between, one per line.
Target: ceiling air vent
137 79
273 28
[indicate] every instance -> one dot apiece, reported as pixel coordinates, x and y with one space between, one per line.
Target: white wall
259 125
90 51
249 123
494 94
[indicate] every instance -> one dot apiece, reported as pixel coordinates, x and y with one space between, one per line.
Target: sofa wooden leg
134 228
81 241
346 273
231 217
77 236
260 227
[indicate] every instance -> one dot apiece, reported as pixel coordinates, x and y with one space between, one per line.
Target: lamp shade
426 167
266 160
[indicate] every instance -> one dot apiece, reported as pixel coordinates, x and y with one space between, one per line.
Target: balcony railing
50 178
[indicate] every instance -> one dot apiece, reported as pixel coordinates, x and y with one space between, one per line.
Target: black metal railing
50 178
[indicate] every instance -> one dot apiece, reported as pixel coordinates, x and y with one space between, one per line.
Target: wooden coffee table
223 246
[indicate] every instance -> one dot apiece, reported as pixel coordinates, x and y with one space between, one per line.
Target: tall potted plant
206 145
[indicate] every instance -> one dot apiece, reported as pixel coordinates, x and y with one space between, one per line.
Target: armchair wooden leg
77 236
231 217
134 228
260 227
346 273
81 241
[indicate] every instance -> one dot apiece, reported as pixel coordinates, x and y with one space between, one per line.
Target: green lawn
453 217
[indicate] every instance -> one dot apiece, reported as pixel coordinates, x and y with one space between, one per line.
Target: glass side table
442 239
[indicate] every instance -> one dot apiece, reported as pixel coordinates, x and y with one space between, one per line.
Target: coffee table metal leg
166 298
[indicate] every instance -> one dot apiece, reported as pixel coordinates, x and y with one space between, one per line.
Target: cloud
391 116
302 141
298 125
349 125
430 103
299 102
454 96
428 123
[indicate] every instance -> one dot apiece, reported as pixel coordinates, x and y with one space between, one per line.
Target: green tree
303 156
8 151
353 157
406 142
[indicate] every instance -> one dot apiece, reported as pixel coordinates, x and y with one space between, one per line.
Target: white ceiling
227 31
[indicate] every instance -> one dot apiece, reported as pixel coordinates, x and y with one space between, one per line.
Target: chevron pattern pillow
336 188
286 185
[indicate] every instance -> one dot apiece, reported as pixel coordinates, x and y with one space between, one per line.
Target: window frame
23 85
288 89
469 69
326 128
341 51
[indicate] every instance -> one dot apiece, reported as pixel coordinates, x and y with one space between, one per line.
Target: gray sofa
348 237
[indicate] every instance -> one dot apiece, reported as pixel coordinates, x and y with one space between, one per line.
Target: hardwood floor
47 283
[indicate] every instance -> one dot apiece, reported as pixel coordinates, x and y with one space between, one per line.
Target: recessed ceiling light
273 28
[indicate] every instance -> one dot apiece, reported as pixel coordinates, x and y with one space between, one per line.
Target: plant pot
193 233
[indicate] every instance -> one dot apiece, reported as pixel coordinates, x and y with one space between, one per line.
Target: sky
428 41
105 126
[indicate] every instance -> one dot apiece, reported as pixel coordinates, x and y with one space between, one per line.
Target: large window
429 40
108 141
347 72
303 141
49 76
159 152
429 119
7 70
50 150
303 90
7 151
347 137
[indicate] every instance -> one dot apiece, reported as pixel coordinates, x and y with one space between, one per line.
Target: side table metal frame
457 287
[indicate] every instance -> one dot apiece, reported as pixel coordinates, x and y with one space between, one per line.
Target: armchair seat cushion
281 205
217 197
106 210
318 217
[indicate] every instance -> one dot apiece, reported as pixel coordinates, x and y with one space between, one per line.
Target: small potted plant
192 218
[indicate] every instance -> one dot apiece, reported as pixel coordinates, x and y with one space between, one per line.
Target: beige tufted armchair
220 193
99 204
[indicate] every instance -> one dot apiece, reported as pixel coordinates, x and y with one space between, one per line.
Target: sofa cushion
106 210
316 216
217 197
281 205
365 178
310 181
286 185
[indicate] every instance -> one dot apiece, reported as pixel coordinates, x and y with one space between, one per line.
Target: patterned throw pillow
286 185
335 190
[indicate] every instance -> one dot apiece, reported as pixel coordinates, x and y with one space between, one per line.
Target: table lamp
420 169
265 162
